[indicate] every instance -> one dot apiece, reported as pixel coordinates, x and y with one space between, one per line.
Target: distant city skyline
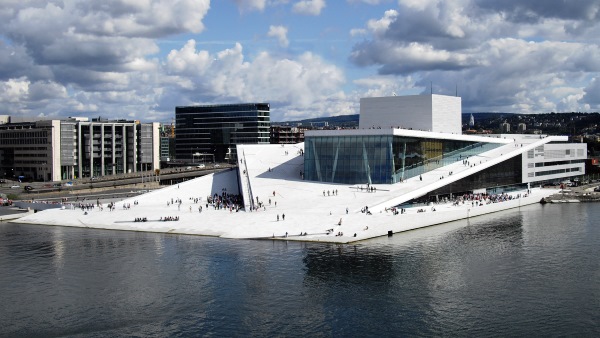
310 58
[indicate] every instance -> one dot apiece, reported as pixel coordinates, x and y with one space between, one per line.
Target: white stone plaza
391 176
292 208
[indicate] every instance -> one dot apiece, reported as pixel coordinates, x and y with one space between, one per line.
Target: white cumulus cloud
279 32
309 7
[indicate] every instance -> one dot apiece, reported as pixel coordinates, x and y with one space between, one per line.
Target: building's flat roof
503 139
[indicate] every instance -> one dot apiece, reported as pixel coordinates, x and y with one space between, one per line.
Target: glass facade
381 159
506 173
216 129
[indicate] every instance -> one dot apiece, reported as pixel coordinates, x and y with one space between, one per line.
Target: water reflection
532 271
350 263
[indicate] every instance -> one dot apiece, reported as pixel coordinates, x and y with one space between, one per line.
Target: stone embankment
584 193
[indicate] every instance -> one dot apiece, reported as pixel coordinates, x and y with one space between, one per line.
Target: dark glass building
211 132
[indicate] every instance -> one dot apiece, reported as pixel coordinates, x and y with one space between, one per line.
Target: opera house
407 166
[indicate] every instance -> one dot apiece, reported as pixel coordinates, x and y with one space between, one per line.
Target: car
201 166
15 187
188 168
28 188
217 165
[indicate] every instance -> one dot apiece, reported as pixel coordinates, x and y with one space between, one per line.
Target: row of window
557 171
549 164
252 107
24 140
29 155
225 115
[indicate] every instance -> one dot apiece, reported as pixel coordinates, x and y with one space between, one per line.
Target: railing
247 178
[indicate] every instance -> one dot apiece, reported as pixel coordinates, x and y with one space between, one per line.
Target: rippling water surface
533 272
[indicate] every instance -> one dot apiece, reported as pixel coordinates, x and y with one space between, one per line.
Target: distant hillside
340 120
353 119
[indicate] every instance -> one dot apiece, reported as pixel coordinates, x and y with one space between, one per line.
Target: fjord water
533 271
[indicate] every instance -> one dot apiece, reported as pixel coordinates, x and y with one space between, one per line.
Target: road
44 190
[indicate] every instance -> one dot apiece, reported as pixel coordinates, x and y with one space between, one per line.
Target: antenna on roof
456 94
431 86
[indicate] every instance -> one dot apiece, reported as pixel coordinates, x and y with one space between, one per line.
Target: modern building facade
212 131
553 161
53 150
436 113
389 155
384 156
286 135
167 142
29 150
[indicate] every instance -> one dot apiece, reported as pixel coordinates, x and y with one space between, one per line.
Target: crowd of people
226 201
482 198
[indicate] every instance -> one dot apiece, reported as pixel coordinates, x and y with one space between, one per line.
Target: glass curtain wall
416 156
381 159
348 159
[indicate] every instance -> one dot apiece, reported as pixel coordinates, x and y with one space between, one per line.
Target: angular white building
350 185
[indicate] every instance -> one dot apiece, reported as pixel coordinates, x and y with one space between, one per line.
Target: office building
210 132
53 150
286 135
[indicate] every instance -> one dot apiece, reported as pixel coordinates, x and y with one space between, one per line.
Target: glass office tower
381 159
211 132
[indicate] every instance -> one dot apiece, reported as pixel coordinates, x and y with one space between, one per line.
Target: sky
139 59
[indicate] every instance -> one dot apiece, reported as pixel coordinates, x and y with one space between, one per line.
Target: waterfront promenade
288 207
